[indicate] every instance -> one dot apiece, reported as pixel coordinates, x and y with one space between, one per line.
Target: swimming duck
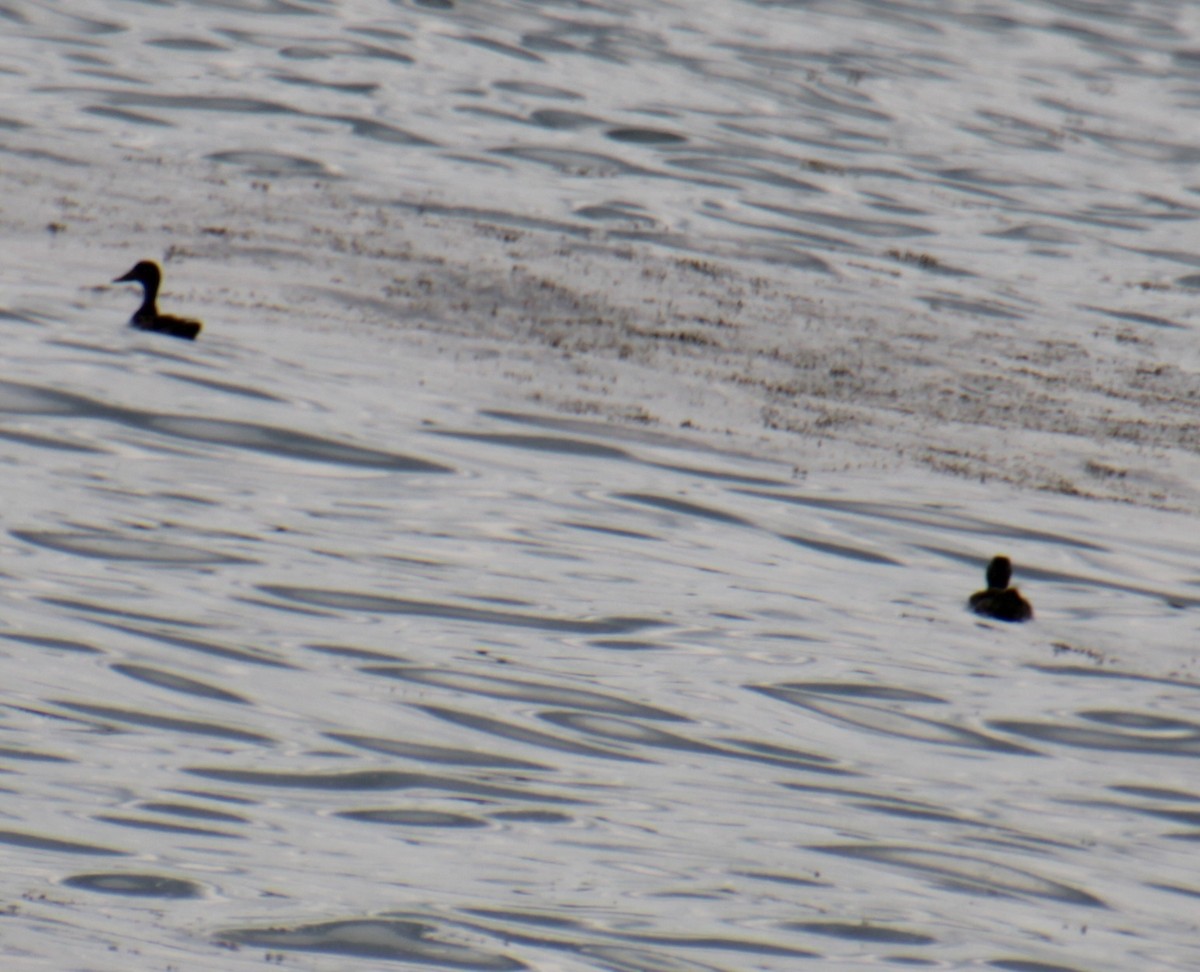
147 317
1000 601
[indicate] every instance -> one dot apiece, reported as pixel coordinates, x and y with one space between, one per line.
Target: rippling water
545 558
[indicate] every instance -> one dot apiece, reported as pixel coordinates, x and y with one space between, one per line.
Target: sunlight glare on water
553 553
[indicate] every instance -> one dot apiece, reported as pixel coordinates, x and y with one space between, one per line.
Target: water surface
553 553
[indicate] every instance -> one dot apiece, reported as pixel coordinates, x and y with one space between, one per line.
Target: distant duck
147 317
1000 601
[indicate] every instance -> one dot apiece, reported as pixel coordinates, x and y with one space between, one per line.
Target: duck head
999 572
146 273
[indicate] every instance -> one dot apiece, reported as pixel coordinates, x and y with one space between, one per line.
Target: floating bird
1000 601
147 317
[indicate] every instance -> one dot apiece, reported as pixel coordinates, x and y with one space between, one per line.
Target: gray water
552 555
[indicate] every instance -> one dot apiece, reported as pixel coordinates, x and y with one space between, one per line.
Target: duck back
179 327
1001 604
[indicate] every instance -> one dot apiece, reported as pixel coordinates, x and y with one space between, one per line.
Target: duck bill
128 278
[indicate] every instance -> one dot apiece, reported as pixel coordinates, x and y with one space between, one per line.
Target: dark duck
147 317
1000 601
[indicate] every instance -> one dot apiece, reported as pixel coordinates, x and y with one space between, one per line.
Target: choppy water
307 658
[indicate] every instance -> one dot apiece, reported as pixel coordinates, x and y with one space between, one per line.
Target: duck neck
149 299
149 309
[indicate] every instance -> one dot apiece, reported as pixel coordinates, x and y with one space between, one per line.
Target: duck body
147 317
1000 601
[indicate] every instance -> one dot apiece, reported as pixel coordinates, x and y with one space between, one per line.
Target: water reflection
20 399
403 673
